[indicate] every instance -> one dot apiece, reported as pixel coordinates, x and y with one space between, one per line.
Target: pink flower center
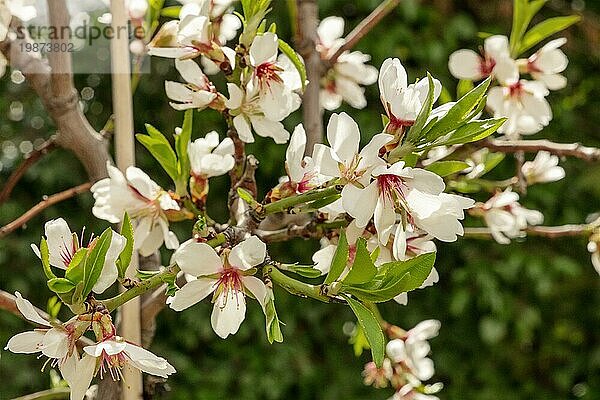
397 124
486 66
306 183
391 187
267 73
112 364
515 90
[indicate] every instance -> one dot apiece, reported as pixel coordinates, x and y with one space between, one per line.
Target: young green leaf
76 266
340 258
95 261
45 257
545 29
363 269
463 87
296 60
171 11
414 133
371 327
60 285
474 131
445 168
125 257
161 150
182 141
307 271
273 325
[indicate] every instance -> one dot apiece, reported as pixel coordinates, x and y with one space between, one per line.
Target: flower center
268 73
112 364
515 90
486 66
391 187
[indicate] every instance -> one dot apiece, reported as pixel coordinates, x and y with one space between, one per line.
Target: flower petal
257 288
26 342
197 259
249 253
228 313
28 310
192 293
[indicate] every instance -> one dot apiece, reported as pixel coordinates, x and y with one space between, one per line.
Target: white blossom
343 81
62 245
210 158
302 174
227 277
496 61
594 249
114 353
546 64
144 201
197 93
543 168
506 218
524 105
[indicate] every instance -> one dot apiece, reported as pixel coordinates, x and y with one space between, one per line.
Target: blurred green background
518 321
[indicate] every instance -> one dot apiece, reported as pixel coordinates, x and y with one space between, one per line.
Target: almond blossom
248 115
63 244
114 353
343 81
546 64
495 61
543 168
57 342
197 93
524 105
146 203
210 158
403 102
506 218
228 277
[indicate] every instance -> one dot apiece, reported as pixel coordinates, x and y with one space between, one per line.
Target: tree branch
364 27
306 43
54 85
551 232
18 173
533 146
42 205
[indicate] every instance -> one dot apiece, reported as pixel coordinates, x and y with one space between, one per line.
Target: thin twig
533 146
18 173
42 205
551 232
58 393
364 27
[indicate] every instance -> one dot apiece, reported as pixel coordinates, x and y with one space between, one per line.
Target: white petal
228 313
192 293
360 203
343 135
55 343
142 182
465 64
257 288
384 219
78 374
26 342
60 242
242 126
267 128
29 311
247 254
191 72
197 259
295 154
148 362
330 29
323 258
264 49
109 272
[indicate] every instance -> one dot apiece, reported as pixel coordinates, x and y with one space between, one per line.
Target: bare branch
18 173
306 43
551 232
54 85
42 205
533 146
364 27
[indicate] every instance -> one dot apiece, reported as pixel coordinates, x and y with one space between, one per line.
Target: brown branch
551 232
533 146
53 82
8 303
42 205
364 27
18 173
306 43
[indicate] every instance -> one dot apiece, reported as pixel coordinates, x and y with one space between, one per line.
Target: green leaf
246 196
363 269
445 168
171 11
545 29
474 131
359 341
414 133
125 256
296 60
95 261
273 325
53 306
45 257
458 114
76 266
160 148
394 278
523 12
307 271
60 285
371 327
340 259
182 141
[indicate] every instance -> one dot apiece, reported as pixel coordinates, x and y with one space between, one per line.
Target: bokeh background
518 322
